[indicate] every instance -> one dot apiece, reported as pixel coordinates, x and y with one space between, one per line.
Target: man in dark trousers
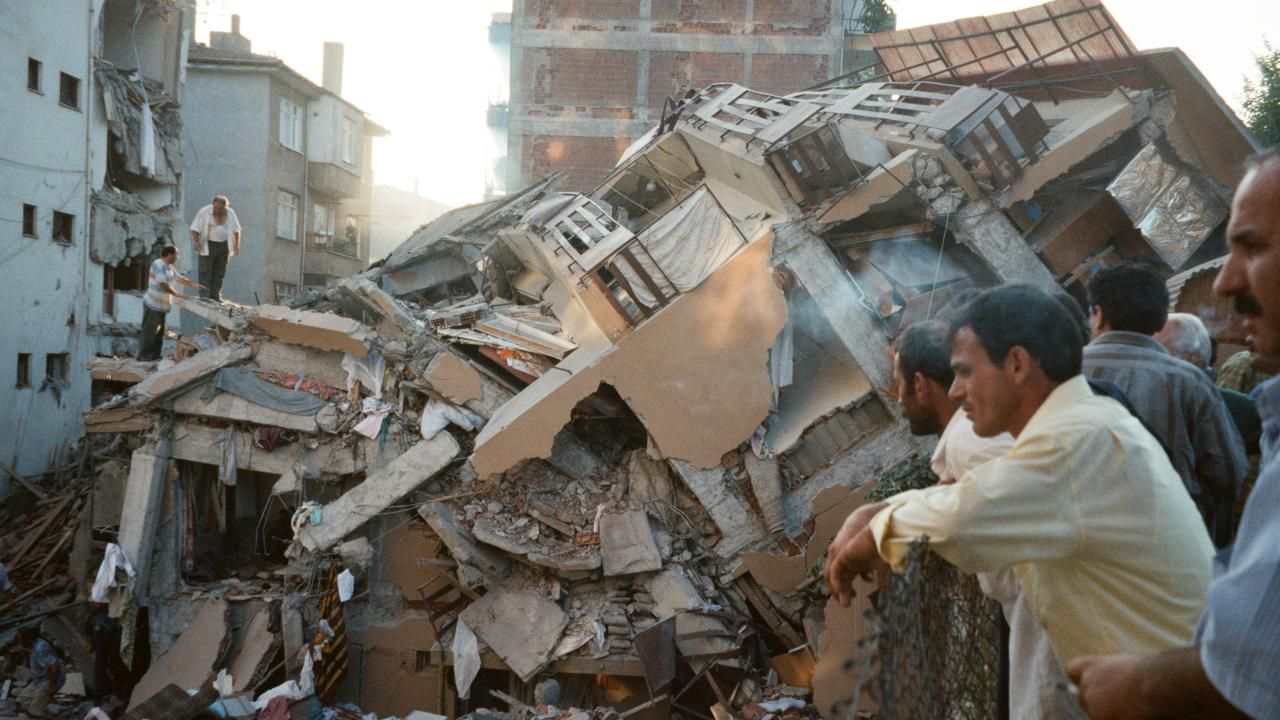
160 285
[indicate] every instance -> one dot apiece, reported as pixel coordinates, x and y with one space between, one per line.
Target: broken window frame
29 221
57 367
284 292
69 91
814 166
64 228
23 379
35 76
286 203
291 125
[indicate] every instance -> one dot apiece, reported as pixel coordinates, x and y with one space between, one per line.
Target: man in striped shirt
1232 667
1175 399
160 285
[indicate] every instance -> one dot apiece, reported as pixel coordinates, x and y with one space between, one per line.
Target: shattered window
28 220
55 367
64 226
69 91
24 370
287 215
284 291
290 125
34 68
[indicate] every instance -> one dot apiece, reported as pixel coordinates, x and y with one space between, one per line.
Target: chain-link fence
936 647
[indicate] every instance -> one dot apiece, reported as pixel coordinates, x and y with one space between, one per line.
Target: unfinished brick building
587 78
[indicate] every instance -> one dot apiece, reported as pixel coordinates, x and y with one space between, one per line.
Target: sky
424 69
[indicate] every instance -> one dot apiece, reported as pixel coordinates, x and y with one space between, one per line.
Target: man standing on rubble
215 238
1085 508
1129 304
1232 669
922 377
163 276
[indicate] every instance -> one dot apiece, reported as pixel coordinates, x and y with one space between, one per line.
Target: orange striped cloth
333 651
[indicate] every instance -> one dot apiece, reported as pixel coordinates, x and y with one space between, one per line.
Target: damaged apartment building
91 160
604 439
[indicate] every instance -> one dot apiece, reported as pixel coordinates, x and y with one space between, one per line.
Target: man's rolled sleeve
1013 510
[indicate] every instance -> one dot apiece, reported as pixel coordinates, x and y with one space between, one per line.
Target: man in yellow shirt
1086 508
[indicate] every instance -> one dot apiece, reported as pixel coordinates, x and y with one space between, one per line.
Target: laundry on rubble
616 459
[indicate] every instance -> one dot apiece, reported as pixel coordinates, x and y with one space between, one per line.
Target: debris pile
605 439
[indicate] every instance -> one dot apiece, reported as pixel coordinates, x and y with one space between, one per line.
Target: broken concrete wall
699 366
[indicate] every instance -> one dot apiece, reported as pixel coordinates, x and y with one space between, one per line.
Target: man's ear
920 387
1019 363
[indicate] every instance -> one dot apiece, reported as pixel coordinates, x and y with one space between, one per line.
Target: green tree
1262 98
877 16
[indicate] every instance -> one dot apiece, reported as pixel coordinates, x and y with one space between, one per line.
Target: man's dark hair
168 250
1133 297
924 348
1077 313
1025 316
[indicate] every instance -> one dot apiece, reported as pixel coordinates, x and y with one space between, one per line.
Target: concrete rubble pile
588 450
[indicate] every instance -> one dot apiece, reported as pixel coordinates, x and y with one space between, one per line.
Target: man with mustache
1232 668
1086 509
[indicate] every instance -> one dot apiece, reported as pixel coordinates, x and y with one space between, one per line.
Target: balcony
334 181
337 244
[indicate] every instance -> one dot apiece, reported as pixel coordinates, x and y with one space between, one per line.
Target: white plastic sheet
367 371
437 415
346 585
466 658
684 246
113 558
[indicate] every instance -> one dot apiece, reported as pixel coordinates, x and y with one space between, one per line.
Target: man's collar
1068 393
1124 337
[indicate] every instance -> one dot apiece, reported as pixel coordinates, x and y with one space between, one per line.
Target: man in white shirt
215 237
1105 541
922 378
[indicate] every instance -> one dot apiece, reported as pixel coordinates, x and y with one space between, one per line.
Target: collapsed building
605 439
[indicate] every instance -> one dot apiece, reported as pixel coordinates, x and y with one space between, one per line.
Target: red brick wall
587 160
545 13
792 17
580 78
669 69
782 74
726 10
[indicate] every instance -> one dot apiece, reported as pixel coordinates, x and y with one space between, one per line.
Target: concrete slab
626 544
521 626
193 658
379 490
184 373
321 331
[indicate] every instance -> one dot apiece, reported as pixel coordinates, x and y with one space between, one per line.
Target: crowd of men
1090 473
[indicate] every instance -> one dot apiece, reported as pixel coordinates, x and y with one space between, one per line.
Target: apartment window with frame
349 139
24 371
69 91
284 291
286 215
291 119
322 223
35 71
55 367
64 227
29 220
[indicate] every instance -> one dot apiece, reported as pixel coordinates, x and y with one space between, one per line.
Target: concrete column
987 231
824 277
140 517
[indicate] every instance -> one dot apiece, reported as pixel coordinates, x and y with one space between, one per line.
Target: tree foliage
1262 98
877 16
